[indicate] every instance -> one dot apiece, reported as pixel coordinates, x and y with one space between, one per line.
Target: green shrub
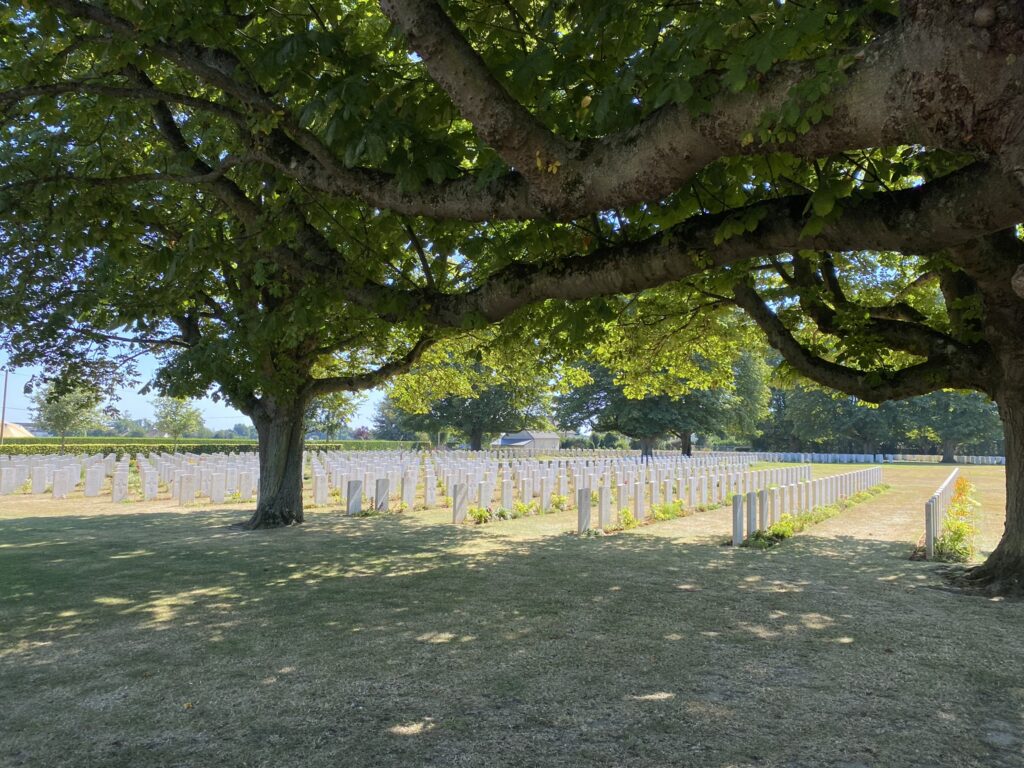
479 515
523 509
626 520
559 503
668 511
955 543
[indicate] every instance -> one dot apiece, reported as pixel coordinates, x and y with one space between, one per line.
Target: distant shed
15 430
529 440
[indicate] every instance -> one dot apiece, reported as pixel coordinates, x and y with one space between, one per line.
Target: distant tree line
804 418
749 414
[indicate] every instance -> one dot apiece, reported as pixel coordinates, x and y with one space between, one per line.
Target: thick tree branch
214 174
957 208
361 381
215 67
508 197
957 371
140 93
894 95
909 336
882 103
505 124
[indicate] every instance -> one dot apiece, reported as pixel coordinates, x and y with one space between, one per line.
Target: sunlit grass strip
790 525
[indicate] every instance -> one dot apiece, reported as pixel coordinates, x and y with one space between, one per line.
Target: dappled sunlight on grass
816 621
328 643
657 696
130 555
167 608
413 729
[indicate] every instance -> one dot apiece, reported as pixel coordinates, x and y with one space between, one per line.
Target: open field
146 635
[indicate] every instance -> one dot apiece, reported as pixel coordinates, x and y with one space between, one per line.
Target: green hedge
132 445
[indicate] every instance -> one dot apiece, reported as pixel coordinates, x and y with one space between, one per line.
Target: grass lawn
136 635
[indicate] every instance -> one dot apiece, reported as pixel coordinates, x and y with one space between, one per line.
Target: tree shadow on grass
390 640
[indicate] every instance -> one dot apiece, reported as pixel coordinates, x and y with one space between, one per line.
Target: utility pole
3 410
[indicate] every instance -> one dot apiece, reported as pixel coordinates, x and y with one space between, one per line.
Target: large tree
602 404
392 423
954 420
484 402
262 188
807 418
175 416
329 415
63 410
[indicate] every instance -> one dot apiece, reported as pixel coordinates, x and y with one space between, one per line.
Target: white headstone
737 520
460 502
245 485
38 479
149 486
186 489
582 510
604 506
382 492
94 477
218 487
119 488
354 498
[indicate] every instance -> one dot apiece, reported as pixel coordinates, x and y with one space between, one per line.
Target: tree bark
1003 571
281 431
476 440
948 447
686 443
992 263
647 447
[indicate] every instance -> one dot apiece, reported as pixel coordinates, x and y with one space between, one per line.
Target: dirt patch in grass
165 639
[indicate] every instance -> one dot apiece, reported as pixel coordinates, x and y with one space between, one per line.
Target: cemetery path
898 514
710 527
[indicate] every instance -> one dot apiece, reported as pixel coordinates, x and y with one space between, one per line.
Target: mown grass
789 524
168 639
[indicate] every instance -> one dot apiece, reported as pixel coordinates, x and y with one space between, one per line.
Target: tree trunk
476 440
991 264
948 446
1003 572
281 437
686 443
647 447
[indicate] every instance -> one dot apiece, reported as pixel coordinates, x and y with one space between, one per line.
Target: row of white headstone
188 476
873 458
61 473
383 476
636 494
386 477
935 510
758 511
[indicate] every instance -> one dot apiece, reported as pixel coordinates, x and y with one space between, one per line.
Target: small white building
529 440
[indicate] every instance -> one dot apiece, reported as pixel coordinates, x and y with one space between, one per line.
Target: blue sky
216 415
